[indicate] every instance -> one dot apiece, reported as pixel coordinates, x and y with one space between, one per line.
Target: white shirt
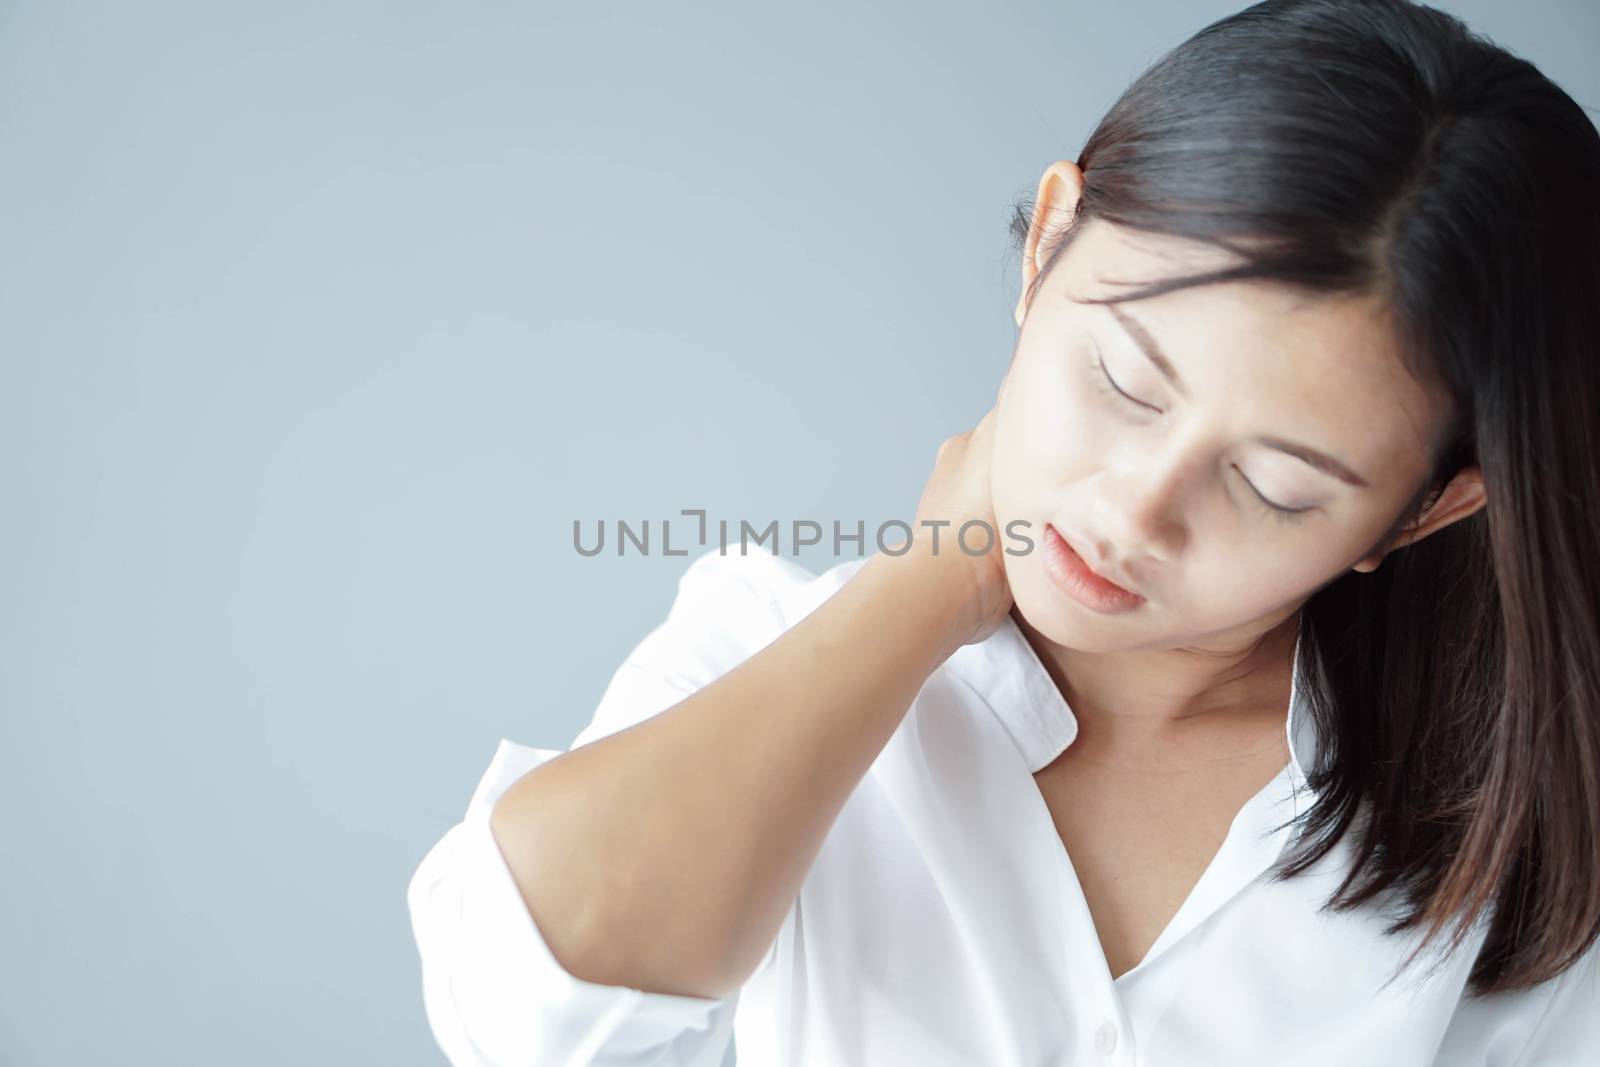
942 922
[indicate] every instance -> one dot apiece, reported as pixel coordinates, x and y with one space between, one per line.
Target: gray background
321 323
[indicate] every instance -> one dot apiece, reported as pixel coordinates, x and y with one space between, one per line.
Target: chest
1140 842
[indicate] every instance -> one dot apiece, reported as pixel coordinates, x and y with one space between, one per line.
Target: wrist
935 590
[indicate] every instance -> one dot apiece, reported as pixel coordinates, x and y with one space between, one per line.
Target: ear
1463 496
1054 205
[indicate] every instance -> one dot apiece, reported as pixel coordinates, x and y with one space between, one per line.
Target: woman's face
1174 490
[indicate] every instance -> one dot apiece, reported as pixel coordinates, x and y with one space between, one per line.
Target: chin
1052 612
1063 620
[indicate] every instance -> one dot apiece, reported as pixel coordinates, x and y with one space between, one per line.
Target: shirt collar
1008 674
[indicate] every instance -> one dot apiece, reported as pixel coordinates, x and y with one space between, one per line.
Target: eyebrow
1317 459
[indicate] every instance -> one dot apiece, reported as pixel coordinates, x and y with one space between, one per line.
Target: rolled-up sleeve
493 991
495 994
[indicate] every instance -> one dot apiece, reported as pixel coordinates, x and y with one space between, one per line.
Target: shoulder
762 578
1568 1026
738 575
756 594
1557 1022
727 606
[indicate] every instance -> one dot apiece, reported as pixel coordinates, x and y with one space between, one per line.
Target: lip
1075 578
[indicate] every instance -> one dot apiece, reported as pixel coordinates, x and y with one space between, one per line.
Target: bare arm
665 856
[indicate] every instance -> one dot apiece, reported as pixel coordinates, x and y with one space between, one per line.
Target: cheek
1043 453
1051 426
1229 578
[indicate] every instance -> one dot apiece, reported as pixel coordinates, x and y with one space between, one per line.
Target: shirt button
1105 1038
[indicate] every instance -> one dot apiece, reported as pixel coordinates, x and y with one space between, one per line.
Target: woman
1270 724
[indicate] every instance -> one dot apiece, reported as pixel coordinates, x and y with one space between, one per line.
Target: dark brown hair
1380 146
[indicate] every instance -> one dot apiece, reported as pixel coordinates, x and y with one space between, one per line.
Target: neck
1222 702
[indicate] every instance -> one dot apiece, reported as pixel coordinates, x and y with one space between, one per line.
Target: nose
1140 518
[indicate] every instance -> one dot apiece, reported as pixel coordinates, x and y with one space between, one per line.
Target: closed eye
1111 388
1108 386
1278 510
